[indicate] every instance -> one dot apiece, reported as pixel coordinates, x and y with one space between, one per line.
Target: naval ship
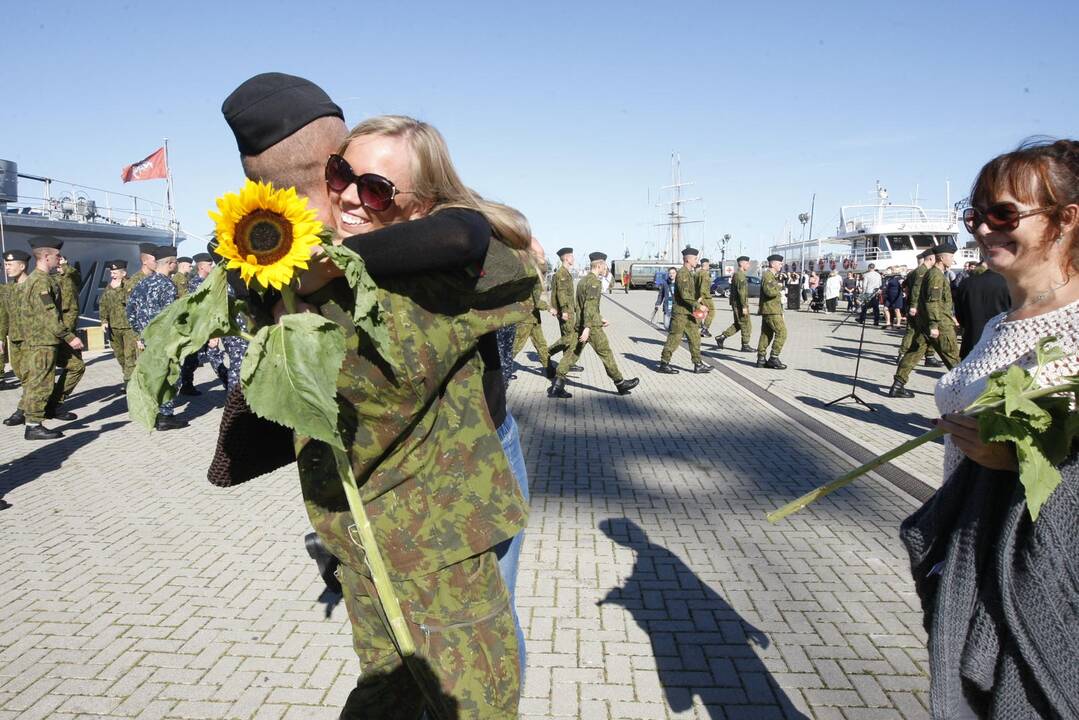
96 226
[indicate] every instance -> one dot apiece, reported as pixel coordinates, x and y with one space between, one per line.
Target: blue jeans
509 551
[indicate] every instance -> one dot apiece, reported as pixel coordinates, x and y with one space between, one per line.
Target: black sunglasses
1001 217
375 192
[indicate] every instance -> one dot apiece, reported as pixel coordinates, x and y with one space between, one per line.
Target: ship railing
854 218
62 200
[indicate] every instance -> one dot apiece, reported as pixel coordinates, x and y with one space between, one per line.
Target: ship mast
675 217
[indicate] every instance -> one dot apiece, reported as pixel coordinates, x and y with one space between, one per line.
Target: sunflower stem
288 295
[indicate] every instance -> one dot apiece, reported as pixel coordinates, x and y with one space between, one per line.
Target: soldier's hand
565 316
213 342
934 333
913 312
1 347
140 344
745 311
554 313
75 343
605 323
584 335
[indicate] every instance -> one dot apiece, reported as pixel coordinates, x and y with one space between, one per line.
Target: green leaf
289 375
1037 474
365 312
993 393
1056 440
179 330
1049 350
1016 380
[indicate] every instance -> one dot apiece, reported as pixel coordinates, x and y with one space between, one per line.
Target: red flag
148 168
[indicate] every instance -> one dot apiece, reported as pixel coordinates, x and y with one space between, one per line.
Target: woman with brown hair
1000 590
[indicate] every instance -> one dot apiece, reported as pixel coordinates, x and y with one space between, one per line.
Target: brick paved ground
651 585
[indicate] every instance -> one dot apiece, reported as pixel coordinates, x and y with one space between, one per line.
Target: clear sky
568 111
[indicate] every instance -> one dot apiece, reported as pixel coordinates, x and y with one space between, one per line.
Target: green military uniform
773 328
180 280
533 328
739 296
5 356
589 290
113 312
686 299
437 488
37 329
915 283
936 312
133 280
704 292
564 303
69 360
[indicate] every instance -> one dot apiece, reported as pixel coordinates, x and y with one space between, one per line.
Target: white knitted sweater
1003 344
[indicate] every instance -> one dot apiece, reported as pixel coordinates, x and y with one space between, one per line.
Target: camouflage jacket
771 294
739 291
180 280
936 299
112 308
686 297
538 303
704 286
133 280
589 291
5 293
431 469
67 287
35 312
562 299
148 299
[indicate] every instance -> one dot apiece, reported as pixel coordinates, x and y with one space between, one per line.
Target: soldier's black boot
558 389
775 364
897 390
40 432
666 369
168 422
16 418
223 377
189 390
705 332
719 341
52 412
700 368
324 560
626 385
933 362
745 348
761 362
552 368
576 368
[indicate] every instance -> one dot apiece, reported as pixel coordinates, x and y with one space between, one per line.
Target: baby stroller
816 303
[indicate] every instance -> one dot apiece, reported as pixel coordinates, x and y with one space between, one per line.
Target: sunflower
265 233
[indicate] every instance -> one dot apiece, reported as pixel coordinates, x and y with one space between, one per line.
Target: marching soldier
38 329
69 360
687 299
915 282
937 325
704 291
113 313
773 328
15 263
564 307
182 276
533 326
739 296
590 324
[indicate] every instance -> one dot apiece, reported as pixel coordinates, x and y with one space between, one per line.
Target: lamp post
802 218
723 251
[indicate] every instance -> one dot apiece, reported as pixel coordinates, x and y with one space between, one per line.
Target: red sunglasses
1002 217
375 192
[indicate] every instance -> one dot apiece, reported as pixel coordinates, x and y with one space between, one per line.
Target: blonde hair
435 180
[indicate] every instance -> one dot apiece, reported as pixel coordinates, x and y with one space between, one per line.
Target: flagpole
168 193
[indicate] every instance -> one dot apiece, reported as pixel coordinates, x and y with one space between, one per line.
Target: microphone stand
853 394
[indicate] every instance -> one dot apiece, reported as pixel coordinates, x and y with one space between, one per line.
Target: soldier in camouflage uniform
112 309
15 264
37 327
69 360
182 276
564 307
152 295
532 328
739 297
938 323
704 290
687 299
213 351
590 324
915 282
773 328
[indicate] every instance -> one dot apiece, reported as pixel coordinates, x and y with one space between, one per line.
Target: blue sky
568 111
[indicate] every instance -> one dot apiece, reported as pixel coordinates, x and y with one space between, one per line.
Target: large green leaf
289 375
1037 474
179 330
365 312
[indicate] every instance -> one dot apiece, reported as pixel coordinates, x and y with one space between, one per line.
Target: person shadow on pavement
700 643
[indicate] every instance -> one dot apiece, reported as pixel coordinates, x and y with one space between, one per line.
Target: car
722 286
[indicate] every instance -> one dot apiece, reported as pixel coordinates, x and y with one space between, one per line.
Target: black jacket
980 297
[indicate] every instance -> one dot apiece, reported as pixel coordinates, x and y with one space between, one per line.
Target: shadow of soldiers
700 643
391 705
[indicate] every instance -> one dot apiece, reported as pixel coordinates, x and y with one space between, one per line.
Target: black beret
147 248
117 265
690 251
775 258
742 258
597 256
41 241
184 259
164 251
267 108
564 251
202 257
945 247
20 255
704 260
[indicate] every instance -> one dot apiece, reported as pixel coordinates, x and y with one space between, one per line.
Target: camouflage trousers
774 333
597 339
681 324
466 663
914 327
15 352
945 344
39 370
206 354
743 324
72 368
531 329
568 338
125 350
711 316
235 348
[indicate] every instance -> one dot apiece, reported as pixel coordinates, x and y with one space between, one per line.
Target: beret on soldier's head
775 258
597 256
705 260
164 251
690 251
742 258
46 242
19 255
202 257
564 251
117 265
267 108
184 259
147 248
945 247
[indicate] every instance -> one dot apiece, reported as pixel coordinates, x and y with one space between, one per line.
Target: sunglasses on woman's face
1001 217
375 192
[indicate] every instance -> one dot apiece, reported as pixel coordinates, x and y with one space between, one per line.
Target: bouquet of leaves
1014 408
289 373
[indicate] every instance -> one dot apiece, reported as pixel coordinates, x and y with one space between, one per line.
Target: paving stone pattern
651 585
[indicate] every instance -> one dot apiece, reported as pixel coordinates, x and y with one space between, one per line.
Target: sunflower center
264 234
